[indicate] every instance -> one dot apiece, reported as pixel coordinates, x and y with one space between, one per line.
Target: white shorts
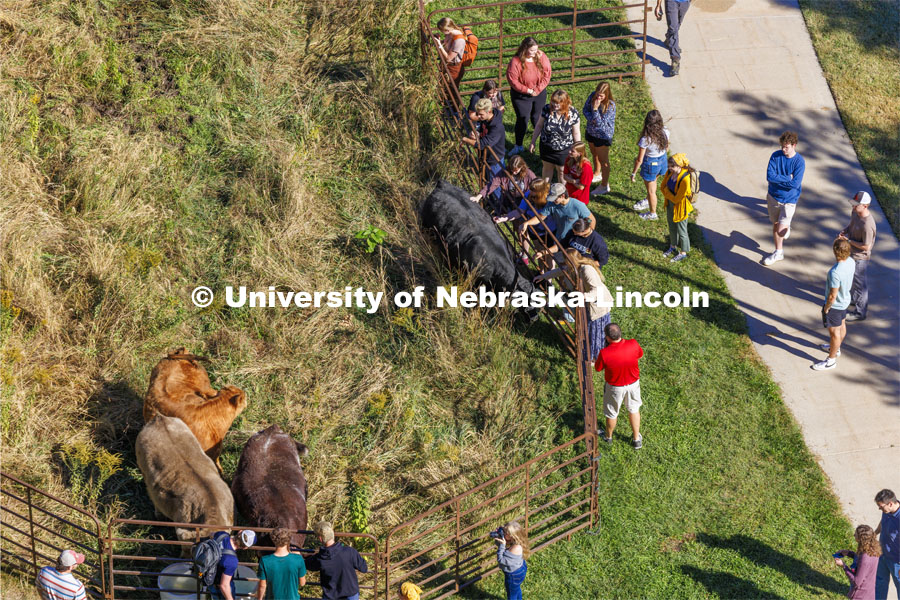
614 394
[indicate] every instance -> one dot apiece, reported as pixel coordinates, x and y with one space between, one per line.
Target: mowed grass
856 42
724 500
146 150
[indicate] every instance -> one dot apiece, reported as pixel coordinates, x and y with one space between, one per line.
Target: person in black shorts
558 129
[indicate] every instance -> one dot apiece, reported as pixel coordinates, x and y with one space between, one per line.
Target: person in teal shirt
281 574
834 311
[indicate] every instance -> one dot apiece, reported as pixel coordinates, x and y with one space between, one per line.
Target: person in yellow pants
676 190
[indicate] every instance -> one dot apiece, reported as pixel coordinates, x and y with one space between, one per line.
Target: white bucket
187 586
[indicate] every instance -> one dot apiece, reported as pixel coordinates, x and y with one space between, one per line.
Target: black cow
472 239
269 486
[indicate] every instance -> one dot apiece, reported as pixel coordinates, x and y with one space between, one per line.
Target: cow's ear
236 398
302 450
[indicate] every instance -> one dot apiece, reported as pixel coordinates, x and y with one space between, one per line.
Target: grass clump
856 42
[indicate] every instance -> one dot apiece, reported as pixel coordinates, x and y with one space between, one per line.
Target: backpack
205 556
471 50
695 184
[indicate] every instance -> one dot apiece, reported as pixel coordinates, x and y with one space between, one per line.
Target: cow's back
269 486
182 481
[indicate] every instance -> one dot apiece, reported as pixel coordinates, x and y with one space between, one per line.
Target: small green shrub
371 237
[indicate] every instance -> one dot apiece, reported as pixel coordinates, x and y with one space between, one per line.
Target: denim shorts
652 168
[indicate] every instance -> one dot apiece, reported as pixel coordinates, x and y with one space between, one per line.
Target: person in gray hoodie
512 558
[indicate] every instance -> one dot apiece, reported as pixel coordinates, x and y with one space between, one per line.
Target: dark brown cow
269 486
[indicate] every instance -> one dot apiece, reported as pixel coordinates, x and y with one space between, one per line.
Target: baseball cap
69 558
861 198
248 538
556 190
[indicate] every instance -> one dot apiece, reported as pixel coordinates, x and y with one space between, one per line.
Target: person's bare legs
595 158
610 427
836 335
547 170
651 194
635 420
602 157
778 233
559 173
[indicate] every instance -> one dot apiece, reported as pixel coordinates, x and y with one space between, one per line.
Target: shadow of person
713 188
726 585
764 555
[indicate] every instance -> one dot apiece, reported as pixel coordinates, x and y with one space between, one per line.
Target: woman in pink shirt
528 74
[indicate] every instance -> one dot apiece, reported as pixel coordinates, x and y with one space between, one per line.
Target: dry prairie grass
149 147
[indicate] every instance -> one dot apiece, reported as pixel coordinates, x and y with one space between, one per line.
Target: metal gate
447 548
572 59
34 532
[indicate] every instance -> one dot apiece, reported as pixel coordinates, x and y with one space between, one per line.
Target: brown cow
179 387
269 486
181 480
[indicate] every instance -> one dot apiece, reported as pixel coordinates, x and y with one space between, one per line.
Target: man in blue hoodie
785 175
337 564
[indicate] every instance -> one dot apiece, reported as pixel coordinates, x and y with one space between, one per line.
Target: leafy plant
371 237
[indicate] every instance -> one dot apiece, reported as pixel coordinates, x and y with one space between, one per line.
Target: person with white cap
860 234
223 587
58 582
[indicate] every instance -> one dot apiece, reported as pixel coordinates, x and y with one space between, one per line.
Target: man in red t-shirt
620 361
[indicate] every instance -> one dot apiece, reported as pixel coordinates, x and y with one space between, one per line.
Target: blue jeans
215 594
859 291
887 569
513 582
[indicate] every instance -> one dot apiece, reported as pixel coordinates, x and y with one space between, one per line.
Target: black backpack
205 556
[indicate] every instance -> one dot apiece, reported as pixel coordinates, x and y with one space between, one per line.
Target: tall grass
149 147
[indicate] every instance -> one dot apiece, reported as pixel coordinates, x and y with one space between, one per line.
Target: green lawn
856 42
724 500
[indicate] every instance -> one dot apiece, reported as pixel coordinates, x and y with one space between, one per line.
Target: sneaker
773 258
676 66
788 234
855 316
679 257
827 348
649 216
638 443
515 150
642 205
669 252
603 438
828 363
597 179
603 189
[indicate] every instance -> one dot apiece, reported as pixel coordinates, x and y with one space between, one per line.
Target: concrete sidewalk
748 73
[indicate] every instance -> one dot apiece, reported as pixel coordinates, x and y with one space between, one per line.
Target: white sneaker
669 252
679 257
773 258
788 234
827 348
649 216
642 205
597 179
603 189
828 363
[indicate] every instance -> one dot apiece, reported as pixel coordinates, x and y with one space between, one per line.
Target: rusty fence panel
571 57
447 549
37 526
139 551
472 173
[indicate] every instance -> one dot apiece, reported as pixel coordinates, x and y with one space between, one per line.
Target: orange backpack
471 50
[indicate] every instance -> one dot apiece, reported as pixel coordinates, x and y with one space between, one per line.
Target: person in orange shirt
528 74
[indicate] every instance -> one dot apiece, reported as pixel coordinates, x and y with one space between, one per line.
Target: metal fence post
31 530
456 572
644 50
500 52
575 32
